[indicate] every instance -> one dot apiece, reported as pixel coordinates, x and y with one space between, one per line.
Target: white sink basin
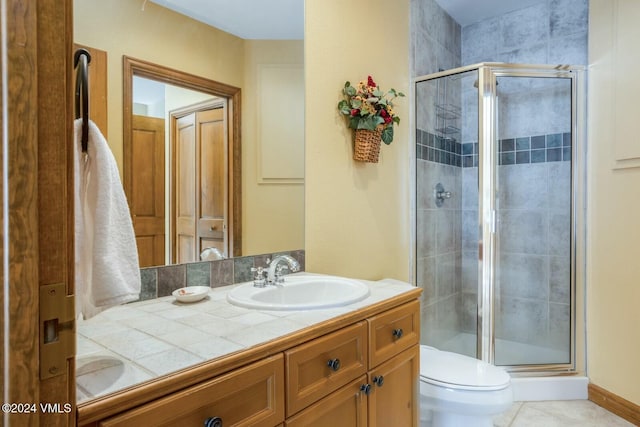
300 292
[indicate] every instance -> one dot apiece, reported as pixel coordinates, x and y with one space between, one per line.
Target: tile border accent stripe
438 149
554 147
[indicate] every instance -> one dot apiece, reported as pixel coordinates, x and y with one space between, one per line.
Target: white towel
107 269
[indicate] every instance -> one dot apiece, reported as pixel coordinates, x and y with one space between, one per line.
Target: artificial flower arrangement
370 109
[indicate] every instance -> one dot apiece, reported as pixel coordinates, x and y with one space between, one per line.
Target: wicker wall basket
367 145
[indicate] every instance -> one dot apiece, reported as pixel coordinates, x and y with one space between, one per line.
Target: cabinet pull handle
397 333
366 389
334 364
213 422
378 380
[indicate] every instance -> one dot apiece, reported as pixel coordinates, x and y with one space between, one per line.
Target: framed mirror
197 130
265 173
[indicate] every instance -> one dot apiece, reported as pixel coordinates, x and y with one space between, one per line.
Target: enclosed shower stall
496 183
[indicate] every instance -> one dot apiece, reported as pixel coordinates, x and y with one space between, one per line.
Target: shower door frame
488 73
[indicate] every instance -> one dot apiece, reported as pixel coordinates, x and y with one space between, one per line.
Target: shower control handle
440 194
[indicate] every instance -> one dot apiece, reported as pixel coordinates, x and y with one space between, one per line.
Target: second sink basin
300 292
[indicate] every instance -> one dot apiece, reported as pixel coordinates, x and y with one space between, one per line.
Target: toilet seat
456 371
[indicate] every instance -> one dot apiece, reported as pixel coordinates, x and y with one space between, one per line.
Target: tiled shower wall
435 41
436 45
533 271
162 281
439 248
551 32
534 176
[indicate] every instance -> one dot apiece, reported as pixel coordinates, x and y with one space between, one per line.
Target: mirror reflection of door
178 191
199 144
146 195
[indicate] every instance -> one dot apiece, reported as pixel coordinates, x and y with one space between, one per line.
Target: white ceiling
284 19
247 19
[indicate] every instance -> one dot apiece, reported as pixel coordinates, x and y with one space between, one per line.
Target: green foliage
387 135
366 106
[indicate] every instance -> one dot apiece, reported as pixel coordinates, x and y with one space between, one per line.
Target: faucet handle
279 276
258 277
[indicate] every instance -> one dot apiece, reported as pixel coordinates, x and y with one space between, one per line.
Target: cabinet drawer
346 407
249 396
392 332
325 364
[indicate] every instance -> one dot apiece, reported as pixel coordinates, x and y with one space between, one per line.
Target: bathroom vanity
355 365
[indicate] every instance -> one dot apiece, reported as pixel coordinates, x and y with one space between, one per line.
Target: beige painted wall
357 215
613 263
272 215
155 34
276 211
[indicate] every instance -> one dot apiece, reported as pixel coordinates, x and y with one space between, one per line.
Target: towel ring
81 60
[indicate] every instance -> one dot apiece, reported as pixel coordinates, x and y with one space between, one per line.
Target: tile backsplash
161 281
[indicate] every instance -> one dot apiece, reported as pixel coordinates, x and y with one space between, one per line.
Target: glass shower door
533 234
447 212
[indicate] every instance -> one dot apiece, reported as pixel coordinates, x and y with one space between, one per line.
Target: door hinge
57 330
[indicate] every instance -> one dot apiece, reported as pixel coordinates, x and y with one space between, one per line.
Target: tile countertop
134 343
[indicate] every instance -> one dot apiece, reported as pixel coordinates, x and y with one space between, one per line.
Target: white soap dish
191 293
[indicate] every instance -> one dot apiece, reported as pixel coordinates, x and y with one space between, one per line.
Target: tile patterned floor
567 413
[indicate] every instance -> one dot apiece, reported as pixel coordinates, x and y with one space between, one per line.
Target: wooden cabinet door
346 407
394 391
249 397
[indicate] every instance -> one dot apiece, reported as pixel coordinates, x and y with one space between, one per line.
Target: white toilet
459 391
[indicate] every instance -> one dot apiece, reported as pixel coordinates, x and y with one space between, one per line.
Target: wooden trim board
614 403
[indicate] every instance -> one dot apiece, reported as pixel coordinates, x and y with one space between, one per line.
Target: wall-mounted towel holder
81 60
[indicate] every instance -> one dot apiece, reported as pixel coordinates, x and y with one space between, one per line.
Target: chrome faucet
274 273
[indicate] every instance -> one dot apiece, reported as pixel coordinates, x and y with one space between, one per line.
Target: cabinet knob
213 422
334 364
366 389
397 333
379 380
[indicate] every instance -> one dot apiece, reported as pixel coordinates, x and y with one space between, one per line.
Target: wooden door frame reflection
136 67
